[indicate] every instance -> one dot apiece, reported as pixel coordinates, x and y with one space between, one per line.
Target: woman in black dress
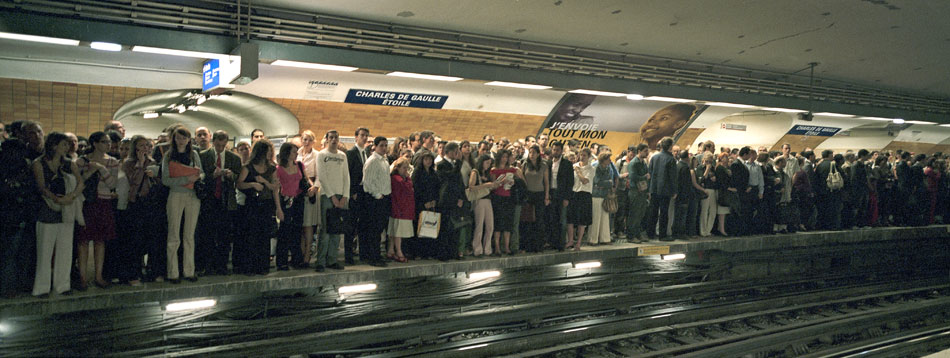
258 182
425 185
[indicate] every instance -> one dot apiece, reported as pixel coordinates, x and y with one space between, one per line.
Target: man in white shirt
375 207
334 176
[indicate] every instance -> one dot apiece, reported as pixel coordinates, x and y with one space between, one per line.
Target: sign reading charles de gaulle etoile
395 99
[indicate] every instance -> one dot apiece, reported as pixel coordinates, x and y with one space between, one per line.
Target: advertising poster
616 122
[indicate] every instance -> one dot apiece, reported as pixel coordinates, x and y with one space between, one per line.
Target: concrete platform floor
215 286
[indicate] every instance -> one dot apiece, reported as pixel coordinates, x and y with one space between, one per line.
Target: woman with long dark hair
290 210
425 184
137 206
480 178
502 202
101 171
259 184
402 211
54 231
537 176
181 168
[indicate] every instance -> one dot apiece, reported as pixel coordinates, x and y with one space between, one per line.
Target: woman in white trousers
54 229
181 168
480 178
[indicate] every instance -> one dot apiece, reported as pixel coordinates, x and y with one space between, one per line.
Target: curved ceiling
238 113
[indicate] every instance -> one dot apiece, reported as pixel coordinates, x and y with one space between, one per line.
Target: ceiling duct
272 24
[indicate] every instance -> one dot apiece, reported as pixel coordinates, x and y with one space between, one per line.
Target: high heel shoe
101 285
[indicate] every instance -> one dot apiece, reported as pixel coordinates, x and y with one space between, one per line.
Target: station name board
818 131
395 99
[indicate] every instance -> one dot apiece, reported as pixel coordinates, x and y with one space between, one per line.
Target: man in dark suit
451 202
740 183
355 158
219 206
824 196
662 170
562 188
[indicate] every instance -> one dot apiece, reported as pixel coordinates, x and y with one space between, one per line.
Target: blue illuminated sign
809 130
212 74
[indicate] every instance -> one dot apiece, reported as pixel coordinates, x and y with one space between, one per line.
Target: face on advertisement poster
615 122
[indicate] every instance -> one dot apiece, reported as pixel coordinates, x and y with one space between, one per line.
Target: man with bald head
115 126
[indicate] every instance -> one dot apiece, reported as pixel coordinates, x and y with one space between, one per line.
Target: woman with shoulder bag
603 183
502 204
137 205
539 197
725 197
307 155
402 213
99 207
54 227
580 208
257 181
293 187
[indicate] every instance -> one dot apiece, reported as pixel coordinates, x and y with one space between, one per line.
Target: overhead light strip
180 53
920 122
43 39
830 114
877 118
424 76
785 110
733 105
105 46
668 99
598 93
315 66
517 85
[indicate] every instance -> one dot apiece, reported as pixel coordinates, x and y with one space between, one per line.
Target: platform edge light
483 274
669 257
315 66
587 265
43 39
366 287
190 305
668 99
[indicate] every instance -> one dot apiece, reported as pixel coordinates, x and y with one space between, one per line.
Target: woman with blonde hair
307 155
603 182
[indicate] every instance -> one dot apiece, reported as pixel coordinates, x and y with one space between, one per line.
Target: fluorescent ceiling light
877 118
829 114
516 85
182 53
357 288
672 257
898 121
786 110
920 122
587 265
483 274
151 115
43 39
424 76
733 105
473 347
635 97
668 99
945 125
315 66
106 46
599 93
190 305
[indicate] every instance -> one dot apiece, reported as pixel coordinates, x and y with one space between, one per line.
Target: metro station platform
284 282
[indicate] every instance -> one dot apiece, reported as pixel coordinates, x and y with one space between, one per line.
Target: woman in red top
403 212
933 178
502 203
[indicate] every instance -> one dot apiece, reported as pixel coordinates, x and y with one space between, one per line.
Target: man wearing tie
356 159
219 207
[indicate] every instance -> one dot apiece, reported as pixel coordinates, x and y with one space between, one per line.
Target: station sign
211 74
808 130
395 99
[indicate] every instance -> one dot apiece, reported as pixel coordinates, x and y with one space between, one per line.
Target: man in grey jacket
662 190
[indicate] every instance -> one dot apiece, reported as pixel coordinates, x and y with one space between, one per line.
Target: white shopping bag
429 222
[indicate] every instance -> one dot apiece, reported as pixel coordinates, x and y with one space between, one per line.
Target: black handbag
728 198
